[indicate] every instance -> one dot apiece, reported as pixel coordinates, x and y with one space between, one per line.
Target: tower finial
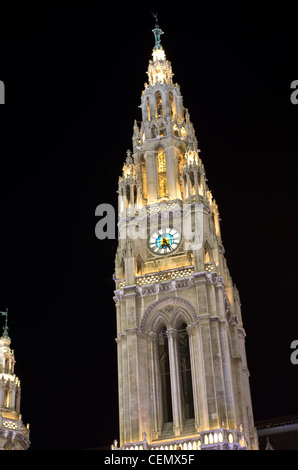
155 17
5 327
157 32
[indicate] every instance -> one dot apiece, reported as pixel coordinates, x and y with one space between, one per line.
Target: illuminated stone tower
182 371
13 433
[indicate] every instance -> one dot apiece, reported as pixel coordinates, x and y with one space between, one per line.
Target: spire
268 445
13 433
157 33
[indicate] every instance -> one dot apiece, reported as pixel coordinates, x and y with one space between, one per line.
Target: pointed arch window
148 109
171 363
6 398
176 130
139 265
181 160
153 132
158 104
185 371
192 183
128 195
162 173
165 379
183 132
207 253
172 106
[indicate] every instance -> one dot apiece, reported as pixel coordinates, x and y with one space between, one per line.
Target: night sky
73 74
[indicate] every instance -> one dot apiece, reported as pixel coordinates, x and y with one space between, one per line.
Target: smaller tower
14 435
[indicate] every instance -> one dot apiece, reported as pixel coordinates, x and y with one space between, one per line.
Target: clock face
164 241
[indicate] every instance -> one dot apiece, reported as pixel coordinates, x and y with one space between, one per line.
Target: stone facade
14 435
182 370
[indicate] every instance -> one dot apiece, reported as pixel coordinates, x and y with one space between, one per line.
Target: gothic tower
14 435
182 372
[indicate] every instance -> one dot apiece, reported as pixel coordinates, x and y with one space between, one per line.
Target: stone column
205 334
228 375
133 380
2 393
132 195
183 187
18 399
139 197
122 390
156 399
198 379
172 177
188 185
175 381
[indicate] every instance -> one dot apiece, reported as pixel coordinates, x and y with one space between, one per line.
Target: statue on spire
5 327
157 32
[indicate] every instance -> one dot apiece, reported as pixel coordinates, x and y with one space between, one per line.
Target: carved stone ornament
177 303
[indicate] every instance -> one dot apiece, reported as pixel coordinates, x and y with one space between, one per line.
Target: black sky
74 73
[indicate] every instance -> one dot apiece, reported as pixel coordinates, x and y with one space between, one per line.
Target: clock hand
165 244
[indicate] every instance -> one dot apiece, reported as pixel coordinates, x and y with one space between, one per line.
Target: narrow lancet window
185 368
158 102
171 102
207 253
165 379
148 109
162 173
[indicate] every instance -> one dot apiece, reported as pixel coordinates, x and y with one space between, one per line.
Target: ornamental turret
14 435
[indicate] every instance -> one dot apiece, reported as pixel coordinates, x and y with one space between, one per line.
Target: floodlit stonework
182 370
14 435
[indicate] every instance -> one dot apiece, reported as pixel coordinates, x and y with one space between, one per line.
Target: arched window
176 130
192 183
6 363
185 370
153 132
158 103
172 106
6 398
207 253
162 130
181 161
183 132
165 379
148 109
139 265
127 190
144 177
200 184
162 173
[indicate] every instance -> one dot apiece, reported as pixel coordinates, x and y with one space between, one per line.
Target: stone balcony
215 439
169 275
14 433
